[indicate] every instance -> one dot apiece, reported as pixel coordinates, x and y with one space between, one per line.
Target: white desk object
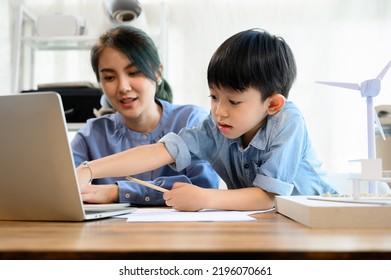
207 215
355 211
331 213
369 89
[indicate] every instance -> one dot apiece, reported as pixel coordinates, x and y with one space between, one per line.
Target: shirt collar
156 133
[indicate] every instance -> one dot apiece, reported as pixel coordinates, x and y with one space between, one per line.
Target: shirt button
246 166
147 198
127 195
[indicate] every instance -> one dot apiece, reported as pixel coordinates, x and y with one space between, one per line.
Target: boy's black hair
253 58
140 50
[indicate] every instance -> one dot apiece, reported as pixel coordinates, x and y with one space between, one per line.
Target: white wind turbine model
369 89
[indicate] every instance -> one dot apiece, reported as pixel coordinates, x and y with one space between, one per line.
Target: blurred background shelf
60 43
28 42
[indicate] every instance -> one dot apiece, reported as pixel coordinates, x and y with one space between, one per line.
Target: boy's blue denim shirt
108 135
280 158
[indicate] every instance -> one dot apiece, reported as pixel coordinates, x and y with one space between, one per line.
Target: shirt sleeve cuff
178 150
273 185
136 194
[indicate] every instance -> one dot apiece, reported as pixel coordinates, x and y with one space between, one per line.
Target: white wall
5 48
334 40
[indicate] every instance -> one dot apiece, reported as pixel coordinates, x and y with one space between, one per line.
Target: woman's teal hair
140 50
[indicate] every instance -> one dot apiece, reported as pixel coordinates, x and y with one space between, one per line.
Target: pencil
149 185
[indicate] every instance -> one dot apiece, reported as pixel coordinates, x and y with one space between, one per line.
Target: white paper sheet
171 215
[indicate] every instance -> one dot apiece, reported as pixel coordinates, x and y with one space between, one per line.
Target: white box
59 25
330 214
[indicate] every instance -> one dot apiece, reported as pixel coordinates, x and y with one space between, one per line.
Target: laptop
37 175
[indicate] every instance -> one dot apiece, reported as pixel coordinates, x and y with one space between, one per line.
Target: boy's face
238 114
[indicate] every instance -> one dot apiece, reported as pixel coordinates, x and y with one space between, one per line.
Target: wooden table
271 236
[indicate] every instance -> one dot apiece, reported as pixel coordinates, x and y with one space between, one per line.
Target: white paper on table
171 215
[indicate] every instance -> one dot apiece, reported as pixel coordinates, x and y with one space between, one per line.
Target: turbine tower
369 89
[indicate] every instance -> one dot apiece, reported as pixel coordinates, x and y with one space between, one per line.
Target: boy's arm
133 161
244 199
187 197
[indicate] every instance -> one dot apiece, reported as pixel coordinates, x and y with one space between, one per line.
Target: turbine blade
342 85
379 127
384 71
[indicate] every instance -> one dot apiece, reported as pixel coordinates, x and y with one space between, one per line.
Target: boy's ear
276 102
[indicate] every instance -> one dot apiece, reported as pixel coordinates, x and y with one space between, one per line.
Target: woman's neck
146 122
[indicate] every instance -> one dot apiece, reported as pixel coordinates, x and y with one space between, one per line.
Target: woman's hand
100 193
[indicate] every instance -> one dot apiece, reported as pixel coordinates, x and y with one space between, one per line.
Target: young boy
255 139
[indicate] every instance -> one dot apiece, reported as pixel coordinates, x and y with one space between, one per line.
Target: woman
127 66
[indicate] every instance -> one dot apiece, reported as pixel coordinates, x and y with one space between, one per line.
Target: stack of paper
171 215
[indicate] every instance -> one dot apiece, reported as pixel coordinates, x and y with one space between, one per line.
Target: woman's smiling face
128 90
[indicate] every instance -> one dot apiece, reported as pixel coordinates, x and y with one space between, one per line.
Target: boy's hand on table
186 197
